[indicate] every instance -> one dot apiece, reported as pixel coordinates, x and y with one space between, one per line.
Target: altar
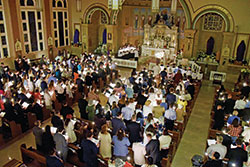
160 41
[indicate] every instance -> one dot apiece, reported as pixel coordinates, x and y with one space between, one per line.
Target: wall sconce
78 5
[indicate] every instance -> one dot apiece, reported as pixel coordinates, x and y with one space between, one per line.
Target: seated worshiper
158 110
215 161
218 147
182 101
153 150
52 160
231 118
89 150
237 156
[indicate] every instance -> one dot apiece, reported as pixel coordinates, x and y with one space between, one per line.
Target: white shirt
246 134
222 150
139 153
47 99
146 110
165 141
240 104
59 89
113 98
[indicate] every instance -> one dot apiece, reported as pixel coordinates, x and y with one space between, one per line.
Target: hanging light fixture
78 5
155 5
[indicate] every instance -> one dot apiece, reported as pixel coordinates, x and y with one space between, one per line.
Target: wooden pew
166 162
31 119
175 136
46 113
16 129
212 133
58 106
101 83
38 160
69 100
1 140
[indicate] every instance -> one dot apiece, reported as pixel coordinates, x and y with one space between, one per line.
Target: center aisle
195 135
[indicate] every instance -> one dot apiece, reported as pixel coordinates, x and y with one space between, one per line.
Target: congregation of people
230 122
134 113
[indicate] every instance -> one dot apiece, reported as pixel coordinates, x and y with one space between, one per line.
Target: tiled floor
194 138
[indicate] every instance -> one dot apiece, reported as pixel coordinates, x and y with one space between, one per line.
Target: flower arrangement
202 56
245 71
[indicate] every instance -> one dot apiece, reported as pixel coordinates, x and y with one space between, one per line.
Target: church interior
135 83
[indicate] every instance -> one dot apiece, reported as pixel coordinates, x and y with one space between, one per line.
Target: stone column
112 37
85 43
15 26
48 33
189 43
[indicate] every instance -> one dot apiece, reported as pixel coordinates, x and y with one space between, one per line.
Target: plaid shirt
234 131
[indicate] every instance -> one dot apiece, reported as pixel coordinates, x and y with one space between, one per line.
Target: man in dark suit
79 83
237 155
134 130
82 104
153 150
117 123
141 99
66 110
229 104
53 160
56 120
171 98
90 151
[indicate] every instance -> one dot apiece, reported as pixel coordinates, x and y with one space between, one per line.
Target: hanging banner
155 5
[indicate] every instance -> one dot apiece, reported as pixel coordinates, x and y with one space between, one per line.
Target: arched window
32 26
60 23
4 48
